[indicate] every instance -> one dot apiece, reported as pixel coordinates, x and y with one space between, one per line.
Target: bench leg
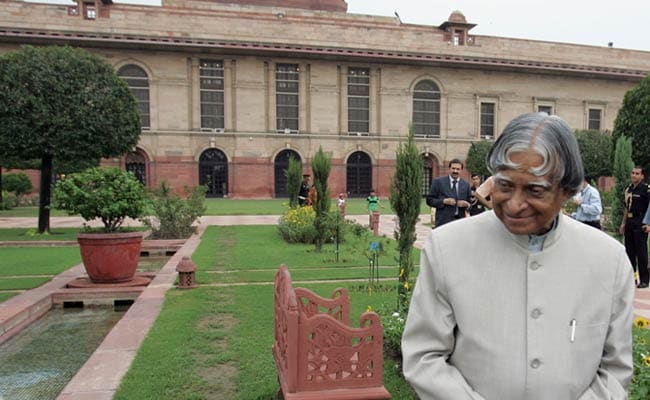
279 395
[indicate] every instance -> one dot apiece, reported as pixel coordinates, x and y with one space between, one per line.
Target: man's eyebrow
541 182
544 183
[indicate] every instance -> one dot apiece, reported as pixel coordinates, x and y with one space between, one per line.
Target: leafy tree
294 179
321 166
476 157
405 198
63 104
623 164
595 148
633 121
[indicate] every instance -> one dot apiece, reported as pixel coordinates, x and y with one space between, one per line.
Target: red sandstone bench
317 354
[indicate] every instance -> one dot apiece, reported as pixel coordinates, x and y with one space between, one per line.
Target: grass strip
356 206
260 246
22 283
30 234
37 260
7 295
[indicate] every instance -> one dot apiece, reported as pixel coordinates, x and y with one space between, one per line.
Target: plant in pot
110 254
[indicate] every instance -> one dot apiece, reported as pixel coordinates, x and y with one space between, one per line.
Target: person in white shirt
589 205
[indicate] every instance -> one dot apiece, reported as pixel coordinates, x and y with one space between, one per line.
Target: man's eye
537 191
504 186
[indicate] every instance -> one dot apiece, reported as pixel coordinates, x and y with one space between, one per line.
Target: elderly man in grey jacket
523 302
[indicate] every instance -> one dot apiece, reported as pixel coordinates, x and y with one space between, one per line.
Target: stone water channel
39 361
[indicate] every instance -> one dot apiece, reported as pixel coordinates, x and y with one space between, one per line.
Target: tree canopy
595 147
476 162
633 121
64 105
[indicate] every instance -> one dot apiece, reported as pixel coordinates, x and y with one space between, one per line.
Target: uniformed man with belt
637 197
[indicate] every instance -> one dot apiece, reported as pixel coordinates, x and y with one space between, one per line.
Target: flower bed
640 387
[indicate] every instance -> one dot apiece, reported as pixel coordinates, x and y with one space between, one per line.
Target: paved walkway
99 377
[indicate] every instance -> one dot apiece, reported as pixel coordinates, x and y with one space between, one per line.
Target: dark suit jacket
441 189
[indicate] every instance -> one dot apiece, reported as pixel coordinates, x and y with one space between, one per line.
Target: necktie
454 189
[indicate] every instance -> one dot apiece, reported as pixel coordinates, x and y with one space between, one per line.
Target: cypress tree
405 199
321 165
623 164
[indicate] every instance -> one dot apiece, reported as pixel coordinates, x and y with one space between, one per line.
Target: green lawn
203 332
19 264
37 260
7 295
215 342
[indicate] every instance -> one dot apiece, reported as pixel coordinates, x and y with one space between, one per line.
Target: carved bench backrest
338 306
334 355
286 312
315 348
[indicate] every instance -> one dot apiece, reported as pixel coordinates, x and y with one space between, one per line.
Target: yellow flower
646 361
641 322
369 308
641 341
401 272
406 285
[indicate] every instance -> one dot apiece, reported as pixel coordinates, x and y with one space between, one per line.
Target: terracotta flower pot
110 257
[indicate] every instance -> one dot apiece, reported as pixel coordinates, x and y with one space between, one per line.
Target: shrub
297 225
9 201
173 217
18 183
640 386
109 194
393 323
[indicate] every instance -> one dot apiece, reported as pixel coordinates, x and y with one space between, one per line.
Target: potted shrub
110 254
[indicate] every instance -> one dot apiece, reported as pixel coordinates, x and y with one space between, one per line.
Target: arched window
426 109
138 82
281 166
359 174
136 162
213 172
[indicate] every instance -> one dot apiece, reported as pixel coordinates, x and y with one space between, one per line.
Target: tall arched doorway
359 174
213 172
281 165
430 172
136 163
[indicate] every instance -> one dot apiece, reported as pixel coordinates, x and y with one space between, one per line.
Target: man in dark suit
450 195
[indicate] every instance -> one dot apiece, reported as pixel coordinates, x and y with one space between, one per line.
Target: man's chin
519 226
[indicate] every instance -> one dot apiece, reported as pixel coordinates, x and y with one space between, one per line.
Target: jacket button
536 313
535 363
535 265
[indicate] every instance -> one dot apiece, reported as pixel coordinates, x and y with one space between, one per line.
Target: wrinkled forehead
529 181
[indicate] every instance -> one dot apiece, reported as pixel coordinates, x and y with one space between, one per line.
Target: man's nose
518 201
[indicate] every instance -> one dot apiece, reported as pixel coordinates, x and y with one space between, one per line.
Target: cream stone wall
175 142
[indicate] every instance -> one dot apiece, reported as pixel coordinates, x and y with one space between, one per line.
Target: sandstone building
229 90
